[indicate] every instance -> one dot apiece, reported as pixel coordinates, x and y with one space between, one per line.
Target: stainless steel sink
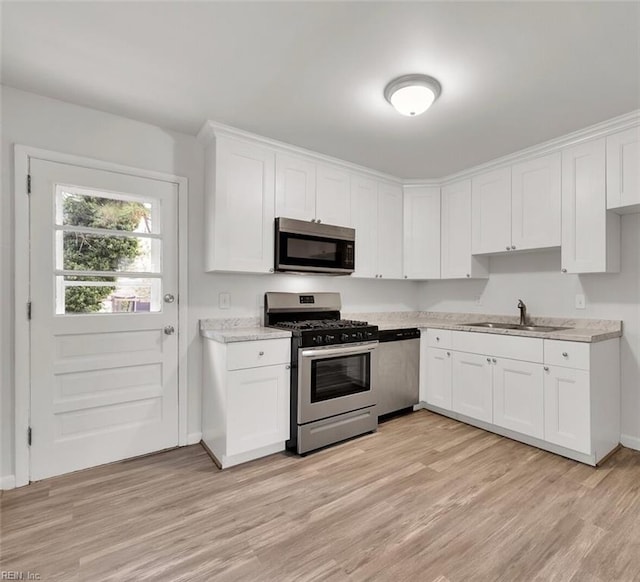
494 325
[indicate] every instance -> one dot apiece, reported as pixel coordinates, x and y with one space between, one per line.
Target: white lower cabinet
567 411
518 402
472 393
561 396
245 400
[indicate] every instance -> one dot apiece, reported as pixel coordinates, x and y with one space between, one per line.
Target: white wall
536 279
31 120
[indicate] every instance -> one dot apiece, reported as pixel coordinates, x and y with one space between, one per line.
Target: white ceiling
312 74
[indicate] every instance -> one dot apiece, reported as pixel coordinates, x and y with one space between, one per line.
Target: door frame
22 280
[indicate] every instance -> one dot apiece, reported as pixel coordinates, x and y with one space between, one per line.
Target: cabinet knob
565 355
448 353
546 368
313 220
406 277
271 270
564 270
437 339
489 360
513 247
380 275
261 353
318 221
468 275
508 248
287 367
494 360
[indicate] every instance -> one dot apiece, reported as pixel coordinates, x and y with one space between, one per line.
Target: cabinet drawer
567 354
528 349
258 353
439 338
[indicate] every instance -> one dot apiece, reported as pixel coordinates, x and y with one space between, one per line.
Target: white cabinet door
257 408
333 196
364 216
518 389
244 207
590 237
535 203
457 261
491 212
295 187
389 231
472 393
567 414
623 169
437 383
421 252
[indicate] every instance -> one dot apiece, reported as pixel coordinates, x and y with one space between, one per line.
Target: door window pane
82 295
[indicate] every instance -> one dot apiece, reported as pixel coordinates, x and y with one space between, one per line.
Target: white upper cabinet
457 261
590 235
491 212
421 250
295 187
240 206
389 231
623 171
333 195
364 216
536 202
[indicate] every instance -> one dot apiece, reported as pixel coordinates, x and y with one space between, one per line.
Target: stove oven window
340 376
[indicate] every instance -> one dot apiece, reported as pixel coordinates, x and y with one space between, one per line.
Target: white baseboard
193 438
8 482
630 442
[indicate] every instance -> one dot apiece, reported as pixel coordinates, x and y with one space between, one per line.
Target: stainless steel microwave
314 247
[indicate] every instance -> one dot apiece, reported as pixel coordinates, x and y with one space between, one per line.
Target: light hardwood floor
425 498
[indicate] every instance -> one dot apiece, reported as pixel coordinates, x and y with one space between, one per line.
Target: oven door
336 379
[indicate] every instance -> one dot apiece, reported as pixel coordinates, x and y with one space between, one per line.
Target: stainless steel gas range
334 369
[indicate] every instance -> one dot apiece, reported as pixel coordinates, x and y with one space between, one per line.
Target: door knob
169 330
168 298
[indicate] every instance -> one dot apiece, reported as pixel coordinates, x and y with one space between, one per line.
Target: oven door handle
341 351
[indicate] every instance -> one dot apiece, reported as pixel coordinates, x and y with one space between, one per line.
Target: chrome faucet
523 312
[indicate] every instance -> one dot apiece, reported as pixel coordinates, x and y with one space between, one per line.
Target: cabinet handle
546 368
564 270
494 360
513 247
261 353
565 355
489 360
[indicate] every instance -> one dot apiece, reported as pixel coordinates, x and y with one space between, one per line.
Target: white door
258 408
295 187
518 396
389 231
623 168
421 252
364 214
438 378
472 393
491 212
567 409
333 196
104 345
584 208
535 203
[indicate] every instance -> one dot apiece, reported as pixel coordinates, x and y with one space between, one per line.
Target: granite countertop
577 330
239 330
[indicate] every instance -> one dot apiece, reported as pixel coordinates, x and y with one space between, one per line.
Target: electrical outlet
224 300
581 302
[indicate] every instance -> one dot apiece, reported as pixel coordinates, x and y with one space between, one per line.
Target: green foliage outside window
88 252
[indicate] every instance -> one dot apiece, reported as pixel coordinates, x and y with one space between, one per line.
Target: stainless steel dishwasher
398 370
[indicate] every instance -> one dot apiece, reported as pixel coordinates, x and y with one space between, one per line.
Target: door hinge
29 310
29 436
28 183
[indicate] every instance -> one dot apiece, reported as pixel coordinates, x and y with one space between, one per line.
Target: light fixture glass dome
412 95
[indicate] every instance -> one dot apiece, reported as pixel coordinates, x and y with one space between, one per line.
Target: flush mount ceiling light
412 95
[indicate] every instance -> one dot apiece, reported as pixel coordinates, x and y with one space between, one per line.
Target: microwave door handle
341 351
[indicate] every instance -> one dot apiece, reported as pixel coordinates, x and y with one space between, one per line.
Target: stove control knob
360 335
328 338
344 337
